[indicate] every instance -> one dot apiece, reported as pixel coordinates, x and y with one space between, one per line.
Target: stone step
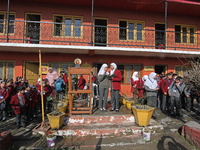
99 120
107 130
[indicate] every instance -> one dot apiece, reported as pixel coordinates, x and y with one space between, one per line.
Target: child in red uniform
18 103
137 86
81 84
2 101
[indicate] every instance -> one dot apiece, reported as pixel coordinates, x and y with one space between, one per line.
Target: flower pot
51 141
143 114
124 101
129 103
56 121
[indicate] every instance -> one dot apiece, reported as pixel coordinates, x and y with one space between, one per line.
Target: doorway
100 32
160 68
31 72
32 28
159 36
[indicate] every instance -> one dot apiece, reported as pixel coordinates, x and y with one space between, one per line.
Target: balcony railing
34 32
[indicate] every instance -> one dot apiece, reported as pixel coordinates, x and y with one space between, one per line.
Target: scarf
115 67
144 78
134 76
101 71
151 82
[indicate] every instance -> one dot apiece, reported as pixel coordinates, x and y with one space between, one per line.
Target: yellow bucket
124 101
129 103
56 121
142 114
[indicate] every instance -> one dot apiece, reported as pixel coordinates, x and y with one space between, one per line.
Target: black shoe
17 126
117 110
112 109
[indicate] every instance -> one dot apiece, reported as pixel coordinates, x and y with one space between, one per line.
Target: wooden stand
79 71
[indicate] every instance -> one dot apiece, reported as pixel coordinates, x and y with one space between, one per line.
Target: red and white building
138 35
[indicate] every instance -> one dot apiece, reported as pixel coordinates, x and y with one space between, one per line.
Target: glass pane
177 70
131 31
77 22
184 35
1 70
68 23
11 29
129 69
184 71
1 18
137 68
58 27
191 39
10 70
139 27
55 67
130 35
177 34
65 68
122 30
77 32
191 35
139 35
11 17
1 28
131 26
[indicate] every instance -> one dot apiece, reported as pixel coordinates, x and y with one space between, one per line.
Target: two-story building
138 35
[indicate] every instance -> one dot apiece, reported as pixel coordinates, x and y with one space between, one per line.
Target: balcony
33 32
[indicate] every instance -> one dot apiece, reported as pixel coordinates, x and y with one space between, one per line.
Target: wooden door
32 72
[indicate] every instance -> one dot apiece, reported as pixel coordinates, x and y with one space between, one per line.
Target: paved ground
169 139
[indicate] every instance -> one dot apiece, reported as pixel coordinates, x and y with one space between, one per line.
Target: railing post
8 19
165 24
92 14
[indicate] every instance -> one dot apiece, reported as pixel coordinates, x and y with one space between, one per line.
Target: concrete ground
169 139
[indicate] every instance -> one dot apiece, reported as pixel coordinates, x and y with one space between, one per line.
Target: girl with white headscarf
104 85
151 87
116 78
137 86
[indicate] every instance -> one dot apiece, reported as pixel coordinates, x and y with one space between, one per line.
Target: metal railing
35 32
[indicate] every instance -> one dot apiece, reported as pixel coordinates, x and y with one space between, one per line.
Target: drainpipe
92 22
165 24
8 19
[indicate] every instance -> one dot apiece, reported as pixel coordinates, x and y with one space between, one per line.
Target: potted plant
51 139
56 117
122 98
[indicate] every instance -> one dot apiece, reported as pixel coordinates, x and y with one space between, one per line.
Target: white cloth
101 71
134 76
151 82
144 78
115 67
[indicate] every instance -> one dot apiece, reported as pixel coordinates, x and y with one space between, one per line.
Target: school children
81 84
59 84
2 101
165 95
151 87
175 91
116 78
18 103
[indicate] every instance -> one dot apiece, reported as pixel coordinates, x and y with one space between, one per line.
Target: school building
138 35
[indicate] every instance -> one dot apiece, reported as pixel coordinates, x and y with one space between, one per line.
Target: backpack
59 85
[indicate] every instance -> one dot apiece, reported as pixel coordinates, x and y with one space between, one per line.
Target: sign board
77 61
148 68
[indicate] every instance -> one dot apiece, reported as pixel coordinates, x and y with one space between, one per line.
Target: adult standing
151 88
116 78
104 85
137 86
52 76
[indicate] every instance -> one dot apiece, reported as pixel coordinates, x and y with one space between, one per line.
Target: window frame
60 65
72 17
5 69
5 23
135 22
181 69
188 27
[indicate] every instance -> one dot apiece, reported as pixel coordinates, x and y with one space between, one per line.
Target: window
127 72
7 70
68 26
181 70
185 34
3 23
131 30
61 66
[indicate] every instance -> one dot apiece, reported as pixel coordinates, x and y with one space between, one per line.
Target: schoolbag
59 85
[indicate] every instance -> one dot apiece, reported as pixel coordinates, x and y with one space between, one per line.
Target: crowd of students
163 91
